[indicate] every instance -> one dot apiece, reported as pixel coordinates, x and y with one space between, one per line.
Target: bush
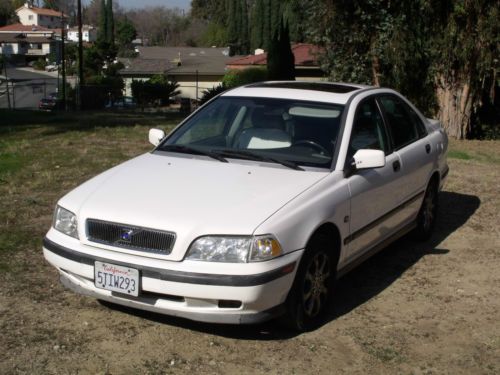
158 89
212 93
235 78
40 64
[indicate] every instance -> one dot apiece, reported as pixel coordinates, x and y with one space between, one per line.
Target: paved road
26 87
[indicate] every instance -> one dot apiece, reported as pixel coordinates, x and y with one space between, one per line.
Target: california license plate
116 278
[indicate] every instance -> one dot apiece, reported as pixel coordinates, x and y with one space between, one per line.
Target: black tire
309 299
426 219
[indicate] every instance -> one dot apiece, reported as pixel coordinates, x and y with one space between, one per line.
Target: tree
125 32
466 61
257 25
237 27
280 58
51 4
157 89
102 31
110 23
445 58
91 13
6 12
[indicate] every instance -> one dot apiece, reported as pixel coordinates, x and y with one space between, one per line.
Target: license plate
116 278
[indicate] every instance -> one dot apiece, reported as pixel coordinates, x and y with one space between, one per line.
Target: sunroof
315 86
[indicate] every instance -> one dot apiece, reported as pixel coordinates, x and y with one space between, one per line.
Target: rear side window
417 121
402 126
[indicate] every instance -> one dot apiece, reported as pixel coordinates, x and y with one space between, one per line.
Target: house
307 67
89 34
27 41
30 15
195 69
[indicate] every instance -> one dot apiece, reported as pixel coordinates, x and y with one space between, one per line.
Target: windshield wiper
249 155
190 150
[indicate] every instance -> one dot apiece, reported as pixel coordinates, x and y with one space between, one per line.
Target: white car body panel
167 192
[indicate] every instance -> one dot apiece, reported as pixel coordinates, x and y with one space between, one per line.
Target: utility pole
63 59
6 80
80 54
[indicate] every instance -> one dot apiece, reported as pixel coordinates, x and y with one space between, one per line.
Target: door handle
396 166
428 148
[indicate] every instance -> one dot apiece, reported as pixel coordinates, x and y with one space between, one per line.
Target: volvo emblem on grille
126 235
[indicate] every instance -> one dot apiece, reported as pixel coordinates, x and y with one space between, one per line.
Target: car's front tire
310 297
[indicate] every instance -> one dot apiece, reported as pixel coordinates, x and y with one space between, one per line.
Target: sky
183 4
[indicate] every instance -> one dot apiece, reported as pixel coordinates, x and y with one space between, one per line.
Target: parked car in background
51 68
255 204
126 102
48 104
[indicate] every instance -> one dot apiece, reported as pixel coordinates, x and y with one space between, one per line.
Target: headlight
65 222
234 249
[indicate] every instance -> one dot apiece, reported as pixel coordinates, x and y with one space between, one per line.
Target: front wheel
310 296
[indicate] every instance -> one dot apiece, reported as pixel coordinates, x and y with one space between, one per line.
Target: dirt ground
415 308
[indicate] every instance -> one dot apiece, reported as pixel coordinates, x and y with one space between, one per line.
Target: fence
25 93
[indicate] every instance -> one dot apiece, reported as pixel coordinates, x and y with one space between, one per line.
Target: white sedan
254 205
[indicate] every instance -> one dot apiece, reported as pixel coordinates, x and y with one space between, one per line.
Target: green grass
45 155
455 154
487 152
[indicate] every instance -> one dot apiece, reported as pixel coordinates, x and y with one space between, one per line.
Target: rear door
410 141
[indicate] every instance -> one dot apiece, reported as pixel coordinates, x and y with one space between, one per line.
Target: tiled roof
140 66
43 11
178 60
19 27
19 38
305 55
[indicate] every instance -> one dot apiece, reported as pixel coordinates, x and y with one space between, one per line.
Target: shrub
40 64
235 78
211 93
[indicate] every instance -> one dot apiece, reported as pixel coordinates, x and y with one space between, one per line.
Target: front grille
130 237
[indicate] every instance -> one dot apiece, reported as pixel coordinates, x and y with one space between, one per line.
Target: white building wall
27 17
46 48
87 35
10 49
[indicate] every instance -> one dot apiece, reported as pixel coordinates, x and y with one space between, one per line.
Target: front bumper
192 295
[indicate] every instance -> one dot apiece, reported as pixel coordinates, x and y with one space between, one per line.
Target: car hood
190 196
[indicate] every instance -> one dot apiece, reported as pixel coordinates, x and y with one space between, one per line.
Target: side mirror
364 159
155 136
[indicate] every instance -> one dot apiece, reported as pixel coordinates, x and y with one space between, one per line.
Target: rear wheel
426 219
309 299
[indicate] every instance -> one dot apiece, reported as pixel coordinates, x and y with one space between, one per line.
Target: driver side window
368 131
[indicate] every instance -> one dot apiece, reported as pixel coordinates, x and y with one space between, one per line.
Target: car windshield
290 132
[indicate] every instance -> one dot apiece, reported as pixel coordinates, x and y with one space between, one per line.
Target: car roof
329 92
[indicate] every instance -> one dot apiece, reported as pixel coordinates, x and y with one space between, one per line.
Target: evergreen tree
266 16
51 4
244 37
280 58
237 27
110 23
103 24
257 25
